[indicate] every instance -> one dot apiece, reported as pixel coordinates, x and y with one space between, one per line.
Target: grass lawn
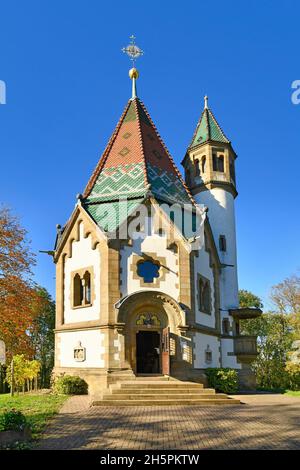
291 393
37 408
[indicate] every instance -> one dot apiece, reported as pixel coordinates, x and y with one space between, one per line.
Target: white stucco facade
91 340
202 343
221 215
82 256
228 359
155 244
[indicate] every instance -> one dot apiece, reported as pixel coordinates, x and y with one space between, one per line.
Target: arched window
222 243
81 289
203 162
77 291
218 163
197 168
215 162
173 247
204 295
87 287
221 163
226 326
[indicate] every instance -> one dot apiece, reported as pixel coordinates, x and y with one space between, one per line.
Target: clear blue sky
67 84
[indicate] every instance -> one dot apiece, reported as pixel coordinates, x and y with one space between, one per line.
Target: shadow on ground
276 426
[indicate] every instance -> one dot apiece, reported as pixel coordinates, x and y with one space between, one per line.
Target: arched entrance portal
151 323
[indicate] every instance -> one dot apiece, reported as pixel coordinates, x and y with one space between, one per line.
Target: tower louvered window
218 163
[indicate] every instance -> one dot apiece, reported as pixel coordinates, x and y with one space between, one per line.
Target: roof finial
205 102
134 75
134 52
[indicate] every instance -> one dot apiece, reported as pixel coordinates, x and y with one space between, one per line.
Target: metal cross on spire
132 50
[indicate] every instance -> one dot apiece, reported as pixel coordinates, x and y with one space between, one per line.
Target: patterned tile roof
208 129
134 162
110 215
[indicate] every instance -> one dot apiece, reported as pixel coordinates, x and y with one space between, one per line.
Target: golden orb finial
133 73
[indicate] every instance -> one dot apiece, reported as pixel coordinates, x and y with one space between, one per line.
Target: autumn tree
286 299
17 293
286 295
25 373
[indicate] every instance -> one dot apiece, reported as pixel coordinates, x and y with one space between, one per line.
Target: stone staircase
162 391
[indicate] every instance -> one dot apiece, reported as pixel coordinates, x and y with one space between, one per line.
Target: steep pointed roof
207 129
135 163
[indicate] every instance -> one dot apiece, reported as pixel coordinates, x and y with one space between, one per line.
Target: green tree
275 333
248 299
274 340
42 335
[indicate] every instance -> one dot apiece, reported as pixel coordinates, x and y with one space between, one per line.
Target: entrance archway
149 321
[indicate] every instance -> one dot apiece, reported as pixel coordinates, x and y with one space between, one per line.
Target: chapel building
146 266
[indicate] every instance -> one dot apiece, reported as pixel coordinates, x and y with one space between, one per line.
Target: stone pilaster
60 274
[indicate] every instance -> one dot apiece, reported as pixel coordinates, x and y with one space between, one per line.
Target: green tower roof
208 129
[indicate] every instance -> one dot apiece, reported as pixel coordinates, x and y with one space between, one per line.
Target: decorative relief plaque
79 353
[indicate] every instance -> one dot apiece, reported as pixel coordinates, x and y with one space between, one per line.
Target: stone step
153 378
169 402
158 392
162 391
158 385
155 398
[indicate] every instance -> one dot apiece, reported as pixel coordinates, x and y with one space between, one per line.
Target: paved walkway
263 422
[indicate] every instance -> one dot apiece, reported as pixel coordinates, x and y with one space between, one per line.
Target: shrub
222 379
70 385
13 420
293 376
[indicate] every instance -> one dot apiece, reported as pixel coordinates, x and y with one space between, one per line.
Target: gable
71 232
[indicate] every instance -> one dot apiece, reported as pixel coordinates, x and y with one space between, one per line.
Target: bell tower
209 166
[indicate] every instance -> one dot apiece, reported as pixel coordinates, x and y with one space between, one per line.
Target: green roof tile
110 215
208 129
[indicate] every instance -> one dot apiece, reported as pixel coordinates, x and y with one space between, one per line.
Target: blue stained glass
148 270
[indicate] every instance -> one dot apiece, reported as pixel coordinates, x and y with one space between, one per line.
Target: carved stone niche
79 353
